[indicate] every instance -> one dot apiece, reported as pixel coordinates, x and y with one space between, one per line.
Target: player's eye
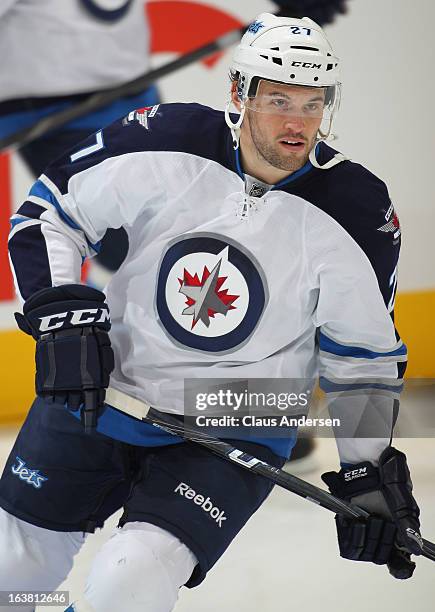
280 103
312 107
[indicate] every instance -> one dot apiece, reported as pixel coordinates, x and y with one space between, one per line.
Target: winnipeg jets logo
393 224
141 116
206 293
205 298
31 477
210 294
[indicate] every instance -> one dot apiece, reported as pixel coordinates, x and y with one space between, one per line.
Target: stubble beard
269 152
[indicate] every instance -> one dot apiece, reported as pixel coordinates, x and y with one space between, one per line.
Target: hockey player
256 250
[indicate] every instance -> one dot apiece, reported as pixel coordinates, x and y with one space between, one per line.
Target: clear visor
293 100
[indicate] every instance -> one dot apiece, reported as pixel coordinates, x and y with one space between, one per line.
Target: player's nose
294 122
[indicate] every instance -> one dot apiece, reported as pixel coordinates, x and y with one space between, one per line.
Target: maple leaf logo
205 296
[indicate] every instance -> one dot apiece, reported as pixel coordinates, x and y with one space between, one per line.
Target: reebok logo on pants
206 504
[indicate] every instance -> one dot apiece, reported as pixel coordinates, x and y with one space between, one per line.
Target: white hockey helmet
285 50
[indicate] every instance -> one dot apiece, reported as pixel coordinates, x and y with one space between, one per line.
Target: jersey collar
289 179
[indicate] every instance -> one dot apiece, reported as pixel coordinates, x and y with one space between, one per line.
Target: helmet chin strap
321 137
235 127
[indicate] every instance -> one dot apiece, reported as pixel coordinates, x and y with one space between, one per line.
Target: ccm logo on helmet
306 65
85 316
205 503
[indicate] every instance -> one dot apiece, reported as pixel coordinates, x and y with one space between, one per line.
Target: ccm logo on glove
354 474
74 358
84 316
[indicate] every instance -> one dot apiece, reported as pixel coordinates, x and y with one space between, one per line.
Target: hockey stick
308 491
131 88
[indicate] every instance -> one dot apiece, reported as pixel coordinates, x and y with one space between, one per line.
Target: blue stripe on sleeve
42 191
331 387
330 346
16 220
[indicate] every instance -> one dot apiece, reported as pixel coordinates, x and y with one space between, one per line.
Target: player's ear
234 95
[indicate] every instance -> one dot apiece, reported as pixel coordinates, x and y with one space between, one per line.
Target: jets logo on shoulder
210 293
141 116
393 224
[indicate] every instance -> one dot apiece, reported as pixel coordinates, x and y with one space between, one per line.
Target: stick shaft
287 481
103 98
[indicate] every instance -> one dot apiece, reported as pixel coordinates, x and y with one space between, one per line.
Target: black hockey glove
392 533
74 358
322 11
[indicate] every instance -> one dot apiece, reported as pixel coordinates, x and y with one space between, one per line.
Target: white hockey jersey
64 47
224 277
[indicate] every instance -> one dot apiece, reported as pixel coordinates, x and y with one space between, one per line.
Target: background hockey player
291 229
59 54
